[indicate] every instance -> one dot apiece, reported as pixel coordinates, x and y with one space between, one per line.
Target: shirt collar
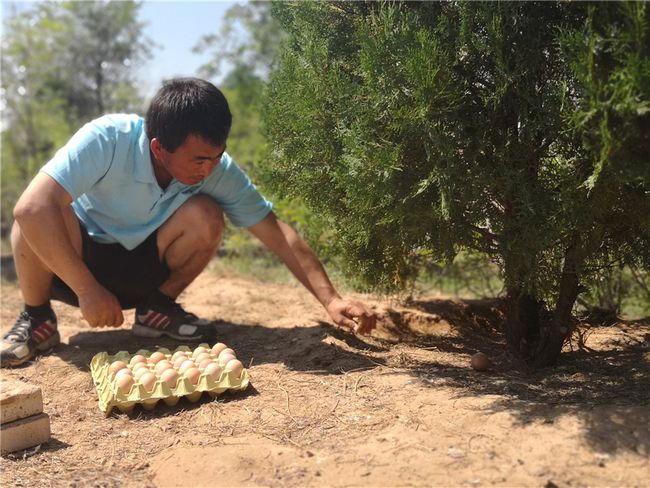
144 166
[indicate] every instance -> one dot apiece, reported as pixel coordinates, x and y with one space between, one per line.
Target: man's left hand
352 314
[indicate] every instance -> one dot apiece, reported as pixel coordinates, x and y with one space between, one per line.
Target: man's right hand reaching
100 308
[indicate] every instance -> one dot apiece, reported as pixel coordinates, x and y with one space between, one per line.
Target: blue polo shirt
107 170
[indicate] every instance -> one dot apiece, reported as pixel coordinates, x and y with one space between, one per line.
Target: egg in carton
124 380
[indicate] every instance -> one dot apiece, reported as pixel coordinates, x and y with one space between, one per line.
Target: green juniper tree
518 130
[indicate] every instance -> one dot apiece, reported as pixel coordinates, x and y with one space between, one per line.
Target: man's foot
28 337
171 320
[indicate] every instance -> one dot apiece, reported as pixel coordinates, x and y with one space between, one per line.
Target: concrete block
24 433
19 400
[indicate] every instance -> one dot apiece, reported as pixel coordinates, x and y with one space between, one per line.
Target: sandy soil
401 408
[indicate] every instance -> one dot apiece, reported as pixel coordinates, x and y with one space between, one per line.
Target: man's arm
294 252
41 214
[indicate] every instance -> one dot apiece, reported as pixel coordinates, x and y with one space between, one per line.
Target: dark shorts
129 275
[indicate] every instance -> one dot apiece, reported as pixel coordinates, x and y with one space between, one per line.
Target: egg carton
111 397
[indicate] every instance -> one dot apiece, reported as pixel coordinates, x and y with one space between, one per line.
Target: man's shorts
129 275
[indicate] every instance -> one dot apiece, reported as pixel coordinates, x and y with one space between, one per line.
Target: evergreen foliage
515 129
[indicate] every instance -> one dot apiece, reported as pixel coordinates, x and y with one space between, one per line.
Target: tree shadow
608 390
453 326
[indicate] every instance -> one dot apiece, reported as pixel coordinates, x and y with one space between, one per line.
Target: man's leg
186 242
36 328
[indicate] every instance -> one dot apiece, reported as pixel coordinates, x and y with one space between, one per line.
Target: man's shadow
300 348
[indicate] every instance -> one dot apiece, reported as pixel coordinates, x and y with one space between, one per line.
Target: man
130 211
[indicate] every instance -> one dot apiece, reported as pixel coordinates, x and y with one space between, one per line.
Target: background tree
516 130
63 63
244 53
248 44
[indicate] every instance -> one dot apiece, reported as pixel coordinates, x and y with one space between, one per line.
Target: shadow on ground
299 348
608 388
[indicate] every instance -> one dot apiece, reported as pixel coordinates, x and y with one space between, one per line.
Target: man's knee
72 228
203 217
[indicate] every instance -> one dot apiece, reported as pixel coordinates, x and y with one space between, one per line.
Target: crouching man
130 211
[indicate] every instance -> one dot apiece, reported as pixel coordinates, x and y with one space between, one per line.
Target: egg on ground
480 361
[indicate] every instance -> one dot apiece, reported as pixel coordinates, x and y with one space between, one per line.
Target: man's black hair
185 106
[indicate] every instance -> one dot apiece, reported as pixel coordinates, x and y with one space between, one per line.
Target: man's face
193 161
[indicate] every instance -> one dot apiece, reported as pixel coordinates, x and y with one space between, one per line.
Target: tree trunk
555 331
522 323
534 334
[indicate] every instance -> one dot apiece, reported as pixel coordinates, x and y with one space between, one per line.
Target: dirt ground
401 408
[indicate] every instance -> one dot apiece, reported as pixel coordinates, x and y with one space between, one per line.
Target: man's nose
207 169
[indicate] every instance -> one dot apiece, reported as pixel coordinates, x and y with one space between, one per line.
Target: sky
175 26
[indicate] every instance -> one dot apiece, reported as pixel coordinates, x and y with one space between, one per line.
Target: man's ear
156 148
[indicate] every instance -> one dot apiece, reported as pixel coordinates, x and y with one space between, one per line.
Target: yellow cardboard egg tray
111 397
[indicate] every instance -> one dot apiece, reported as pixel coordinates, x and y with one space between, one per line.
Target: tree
518 130
62 64
249 44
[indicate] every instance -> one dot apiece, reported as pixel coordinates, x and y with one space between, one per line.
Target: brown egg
218 347
148 380
227 351
162 366
137 374
235 366
480 362
116 366
224 358
199 350
138 366
213 370
193 374
124 383
156 357
201 357
177 354
180 360
123 372
170 376
188 363
204 363
138 358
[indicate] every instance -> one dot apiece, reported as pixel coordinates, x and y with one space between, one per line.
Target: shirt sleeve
236 194
84 160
